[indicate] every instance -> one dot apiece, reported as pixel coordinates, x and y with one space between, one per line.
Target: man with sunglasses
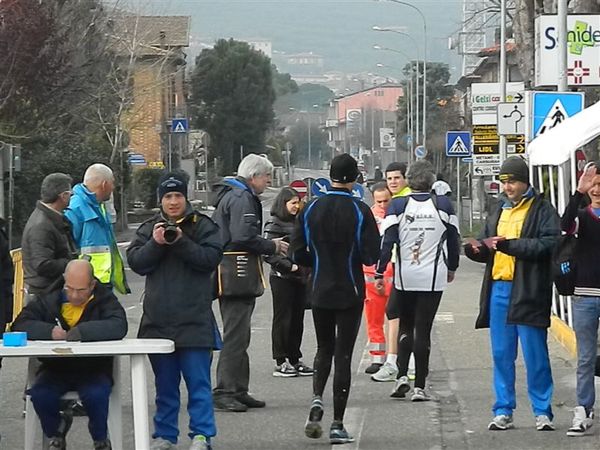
80 310
47 244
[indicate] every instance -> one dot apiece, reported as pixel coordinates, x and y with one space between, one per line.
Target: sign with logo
511 118
583 55
486 96
420 152
387 138
458 144
548 109
300 187
179 126
320 187
353 115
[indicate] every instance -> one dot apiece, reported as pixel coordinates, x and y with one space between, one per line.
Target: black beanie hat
172 182
514 168
344 169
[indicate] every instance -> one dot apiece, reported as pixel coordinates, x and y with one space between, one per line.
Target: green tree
283 83
304 99
232 99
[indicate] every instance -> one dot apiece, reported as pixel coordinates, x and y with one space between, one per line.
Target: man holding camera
177 250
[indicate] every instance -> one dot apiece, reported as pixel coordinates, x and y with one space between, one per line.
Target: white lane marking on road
444 317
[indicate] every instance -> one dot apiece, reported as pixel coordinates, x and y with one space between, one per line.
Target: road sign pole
502 142
458 200
562 46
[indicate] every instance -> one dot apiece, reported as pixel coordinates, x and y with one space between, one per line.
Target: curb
564 334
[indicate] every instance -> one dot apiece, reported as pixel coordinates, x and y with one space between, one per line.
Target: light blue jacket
94 237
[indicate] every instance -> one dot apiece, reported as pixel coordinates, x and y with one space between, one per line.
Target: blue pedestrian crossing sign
320 186
458 144
551 108
179 126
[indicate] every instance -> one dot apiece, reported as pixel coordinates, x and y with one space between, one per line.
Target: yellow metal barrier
19 282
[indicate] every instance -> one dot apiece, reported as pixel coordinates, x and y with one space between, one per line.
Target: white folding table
136 349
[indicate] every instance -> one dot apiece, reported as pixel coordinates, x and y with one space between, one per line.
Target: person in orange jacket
376 300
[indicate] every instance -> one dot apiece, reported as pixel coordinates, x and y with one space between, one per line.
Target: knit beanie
514 169
344 169
172 182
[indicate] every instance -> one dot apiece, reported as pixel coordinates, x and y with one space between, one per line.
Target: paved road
460 381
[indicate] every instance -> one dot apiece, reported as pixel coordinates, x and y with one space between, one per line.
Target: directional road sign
320 187
548 109
358 191
511 118
458 144
179 126
300 187
420 152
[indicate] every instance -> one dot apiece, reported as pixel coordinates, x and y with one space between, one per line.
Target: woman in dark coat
288 285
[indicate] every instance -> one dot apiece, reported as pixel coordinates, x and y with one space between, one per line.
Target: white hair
96 174
253 166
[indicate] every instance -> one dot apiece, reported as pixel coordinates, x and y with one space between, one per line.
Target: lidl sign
583 50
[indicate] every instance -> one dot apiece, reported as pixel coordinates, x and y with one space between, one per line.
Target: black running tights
336 331
417 312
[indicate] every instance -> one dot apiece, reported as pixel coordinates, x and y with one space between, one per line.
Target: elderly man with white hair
92 228
239 215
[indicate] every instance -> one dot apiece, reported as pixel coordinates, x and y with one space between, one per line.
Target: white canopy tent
557 146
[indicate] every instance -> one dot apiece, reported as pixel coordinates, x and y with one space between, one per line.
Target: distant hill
340 31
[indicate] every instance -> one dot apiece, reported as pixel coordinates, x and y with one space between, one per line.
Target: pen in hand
58 333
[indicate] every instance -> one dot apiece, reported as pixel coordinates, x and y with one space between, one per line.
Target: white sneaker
543 423
581 422
161 444
285 370
199 443
501 422
387 372
420 395
401 388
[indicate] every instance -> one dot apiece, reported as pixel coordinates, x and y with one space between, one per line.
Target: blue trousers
194 365
94 392
534 344
586 312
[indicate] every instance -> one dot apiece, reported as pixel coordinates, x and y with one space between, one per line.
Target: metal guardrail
19 282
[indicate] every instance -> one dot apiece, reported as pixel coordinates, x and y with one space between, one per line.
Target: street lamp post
410 5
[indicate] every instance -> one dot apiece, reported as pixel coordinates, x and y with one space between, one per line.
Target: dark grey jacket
47 247
102 320
178 294
238 212
531 297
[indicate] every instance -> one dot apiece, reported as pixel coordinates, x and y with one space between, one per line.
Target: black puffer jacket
102 320
47 247
178 294
531 297
281 266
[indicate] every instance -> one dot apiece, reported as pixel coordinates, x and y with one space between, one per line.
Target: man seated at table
83 310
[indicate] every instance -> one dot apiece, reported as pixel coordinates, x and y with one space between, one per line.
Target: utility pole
562 46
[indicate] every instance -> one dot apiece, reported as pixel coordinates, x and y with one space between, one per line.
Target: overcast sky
338 30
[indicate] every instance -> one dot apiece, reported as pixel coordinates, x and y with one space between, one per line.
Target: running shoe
420 395
200 443
312 427
285 370
338 434
373 368
543 423
303 370
401 387
387 372
501 422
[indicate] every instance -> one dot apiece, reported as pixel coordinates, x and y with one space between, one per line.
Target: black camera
170 232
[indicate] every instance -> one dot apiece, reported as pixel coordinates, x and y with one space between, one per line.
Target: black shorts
394 304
